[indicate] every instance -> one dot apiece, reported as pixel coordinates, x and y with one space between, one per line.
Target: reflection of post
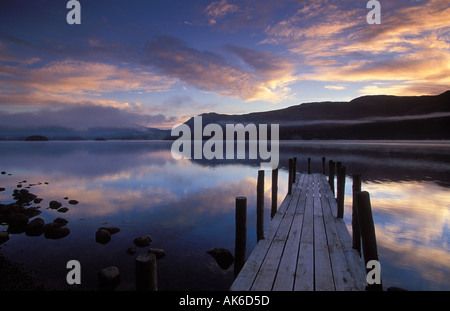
260 206
274 192
331 175
367 228
323 165
240 243
146 279
355 223
340 191
290 176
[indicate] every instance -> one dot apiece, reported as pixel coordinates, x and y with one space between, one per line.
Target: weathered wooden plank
304 278
266 275
286 271
352 257
341 273
323 275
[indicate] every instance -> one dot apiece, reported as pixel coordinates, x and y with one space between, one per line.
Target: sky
158 63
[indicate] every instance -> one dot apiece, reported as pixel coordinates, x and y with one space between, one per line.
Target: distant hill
367 117
63 133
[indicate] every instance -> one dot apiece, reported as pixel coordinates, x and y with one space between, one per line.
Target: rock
159 253
36 138
60 221
37 200
223 257
73 202
56 233
23 196
131 250
54 204
4 236
17 219
2 189
111 230
3 173
108 278
35 227
56 230
62 210
142 241
102 236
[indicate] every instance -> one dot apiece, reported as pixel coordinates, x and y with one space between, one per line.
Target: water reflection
187 207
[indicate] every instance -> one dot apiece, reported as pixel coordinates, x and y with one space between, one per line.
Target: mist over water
187 207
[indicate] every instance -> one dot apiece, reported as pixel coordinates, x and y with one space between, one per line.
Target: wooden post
274 192
355 223
331 175
291 163
323 166
309 166
340 191
367 229
294 170
260 206
146 278
240 243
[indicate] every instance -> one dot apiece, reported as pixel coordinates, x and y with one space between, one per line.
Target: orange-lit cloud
409 48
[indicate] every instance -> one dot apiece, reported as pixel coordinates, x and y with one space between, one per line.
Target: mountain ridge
366 117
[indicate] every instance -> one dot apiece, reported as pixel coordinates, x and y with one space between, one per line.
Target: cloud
335 44
82 116
261 75
218 9
335 87
81 78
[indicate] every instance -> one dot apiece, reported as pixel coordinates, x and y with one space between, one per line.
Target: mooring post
291 163
309 166
294 170
323 166
367 229
260 206
331 175
355 223
274 192
340 191
240 243
146 278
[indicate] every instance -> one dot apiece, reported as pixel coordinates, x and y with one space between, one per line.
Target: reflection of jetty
307 245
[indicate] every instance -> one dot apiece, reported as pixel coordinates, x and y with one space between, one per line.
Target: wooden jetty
306 246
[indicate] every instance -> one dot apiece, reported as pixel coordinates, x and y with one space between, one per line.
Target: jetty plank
305 246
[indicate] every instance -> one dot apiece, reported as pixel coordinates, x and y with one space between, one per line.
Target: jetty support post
331 175
367 229
291 166
274 192
240 243
260 206
309 166
356 235
146 276
323 166
340 191
294 170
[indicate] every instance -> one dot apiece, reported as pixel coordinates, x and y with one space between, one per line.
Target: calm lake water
187 207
